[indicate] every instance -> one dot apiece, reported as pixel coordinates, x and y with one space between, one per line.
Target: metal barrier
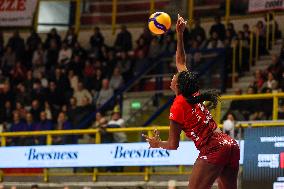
147 171
274 96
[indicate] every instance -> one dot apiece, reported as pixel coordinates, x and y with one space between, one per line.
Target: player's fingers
157 133
178 16
145 136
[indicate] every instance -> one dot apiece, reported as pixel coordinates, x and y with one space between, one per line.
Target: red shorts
221 149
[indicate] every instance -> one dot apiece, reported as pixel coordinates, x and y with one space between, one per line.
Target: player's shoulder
180 101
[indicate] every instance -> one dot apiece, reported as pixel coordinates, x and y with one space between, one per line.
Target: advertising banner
97 155
265 5
264 158
17 12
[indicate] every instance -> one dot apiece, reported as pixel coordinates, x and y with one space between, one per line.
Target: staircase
128 11
150 103
261 64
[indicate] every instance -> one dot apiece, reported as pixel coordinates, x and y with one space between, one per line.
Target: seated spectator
23 96
18 73
198 31
48 111
52 36
82 93
215 42
246 31
168 46
70 37
17 43
116 80
63 124
30 126
118 137
35 110
73 112
100 122
61 80
97 39
111 62
258 80
33 40
65 55
78 50
124 64
262 38
8 60
275 67
105 93
146 36
229 125
141 45
218 28
38 91
154 49
43 125
271 83
140 63
29 82
17 125
51 56
123 41
97 83
54 97
6 114
77 65
41 77
20 110
73 80
89 73
38 58
117 122
231 28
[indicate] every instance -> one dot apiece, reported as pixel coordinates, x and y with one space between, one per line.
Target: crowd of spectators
54 83
50 82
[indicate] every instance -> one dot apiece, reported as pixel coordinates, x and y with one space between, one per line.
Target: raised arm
180 53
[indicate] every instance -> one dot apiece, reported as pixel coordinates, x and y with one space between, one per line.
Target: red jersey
196 120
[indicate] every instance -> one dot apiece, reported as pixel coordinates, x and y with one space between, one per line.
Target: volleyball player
219 153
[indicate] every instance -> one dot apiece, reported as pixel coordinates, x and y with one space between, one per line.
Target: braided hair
187 85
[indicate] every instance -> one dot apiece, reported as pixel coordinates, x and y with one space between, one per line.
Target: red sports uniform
198 125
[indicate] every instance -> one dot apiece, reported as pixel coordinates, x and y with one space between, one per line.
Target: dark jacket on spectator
123 41
42 126
219 29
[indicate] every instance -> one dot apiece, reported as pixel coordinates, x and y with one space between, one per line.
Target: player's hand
153 141
180 25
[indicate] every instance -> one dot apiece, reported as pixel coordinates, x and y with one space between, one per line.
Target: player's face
174 84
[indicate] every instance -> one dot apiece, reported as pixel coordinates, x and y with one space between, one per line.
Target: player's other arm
173 140
180 52
174 137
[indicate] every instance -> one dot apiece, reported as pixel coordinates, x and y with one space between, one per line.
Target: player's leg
228 178
204 174
229 175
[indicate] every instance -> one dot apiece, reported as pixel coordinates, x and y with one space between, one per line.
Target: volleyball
159 23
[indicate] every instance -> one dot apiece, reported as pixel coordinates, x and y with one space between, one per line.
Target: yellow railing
274 96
